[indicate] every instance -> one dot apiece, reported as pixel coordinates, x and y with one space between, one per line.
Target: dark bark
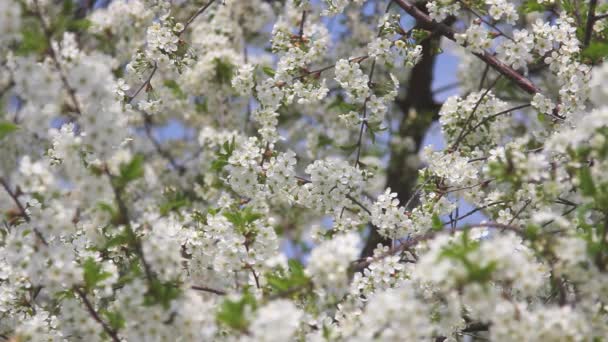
401 177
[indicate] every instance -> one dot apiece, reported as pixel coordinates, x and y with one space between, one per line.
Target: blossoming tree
296 201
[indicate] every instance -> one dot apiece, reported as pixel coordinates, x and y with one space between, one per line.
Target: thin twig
480 17
124 219
329 67
446 87
111 332
143 85
458 218
48 34
490 117
208 289
483 77
15 198
164 153
192 18
464 132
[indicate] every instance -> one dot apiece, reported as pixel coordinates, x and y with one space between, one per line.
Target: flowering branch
464 131
192 18
146 84
111 332
360 265
426 21
48 35
15 198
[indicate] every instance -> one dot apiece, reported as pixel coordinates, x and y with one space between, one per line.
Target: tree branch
192 18
15 198
144 85
208 289
48 35
425 21
111 332
590 21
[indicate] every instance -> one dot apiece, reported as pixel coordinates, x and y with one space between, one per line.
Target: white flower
475 39
350 77
517 53
388 217
277 321
242 82
542 104
329 262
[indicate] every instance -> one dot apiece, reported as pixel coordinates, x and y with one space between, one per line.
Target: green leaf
131 170
341 106
437 225
7 128
481 274
532 232
324 140
596 51
201 107
232 312
268 71
292 282
78 25
115 320
242 219
223 71
93 273
175 89
541 117
349 148
532 6
223 155
586 182
161 293
123 238
419 34
33 40
174 201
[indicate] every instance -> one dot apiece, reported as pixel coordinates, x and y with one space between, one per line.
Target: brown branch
364 118
48 34
208 289
362 264
464 132
455 220
124 220
192 18
483 183
111 332
590 21
600 17
483 20
163 153
488 118
15 198
144 85
302 21
22 212
426 22
446 87
329 67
